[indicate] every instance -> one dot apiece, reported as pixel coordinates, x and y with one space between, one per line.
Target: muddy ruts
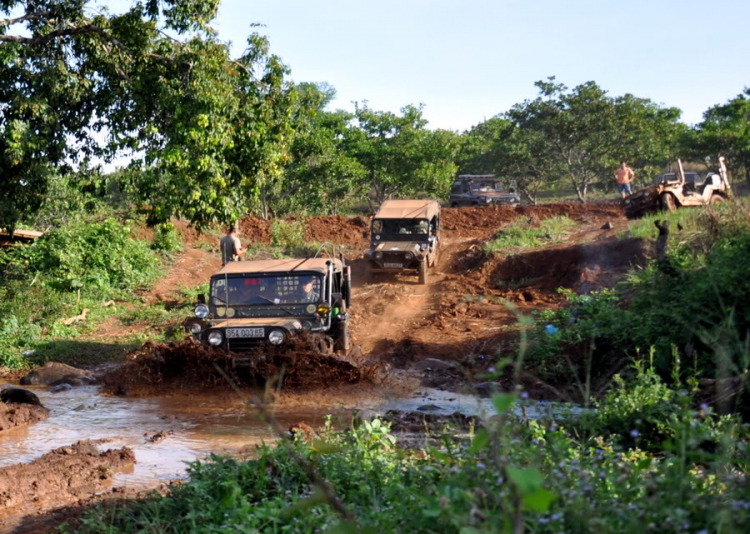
64 473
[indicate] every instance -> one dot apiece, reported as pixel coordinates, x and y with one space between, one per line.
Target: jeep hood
245 322
398 246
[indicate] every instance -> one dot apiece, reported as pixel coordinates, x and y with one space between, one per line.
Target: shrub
167 238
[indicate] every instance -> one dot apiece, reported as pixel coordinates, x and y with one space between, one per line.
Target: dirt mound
254 230
479 221
188 366
581 267
15 414
337 229
67 472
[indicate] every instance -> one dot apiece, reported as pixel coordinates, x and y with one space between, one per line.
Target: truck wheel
343 341
716 199
422 269
668 202
435 259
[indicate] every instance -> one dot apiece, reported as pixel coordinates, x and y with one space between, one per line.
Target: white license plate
245 332
393 265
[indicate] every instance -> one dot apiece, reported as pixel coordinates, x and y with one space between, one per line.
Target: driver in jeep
306 292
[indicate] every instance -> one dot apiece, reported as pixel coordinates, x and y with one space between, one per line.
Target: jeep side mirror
201 299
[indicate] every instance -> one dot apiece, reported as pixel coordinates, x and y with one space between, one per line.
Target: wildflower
524 394
480 465
632 506
543 520
634 433
555 517
704 531
455 469
491 370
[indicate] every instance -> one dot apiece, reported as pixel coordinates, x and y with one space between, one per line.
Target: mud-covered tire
435 259
716 199
422 271
343 340
323 345
668 202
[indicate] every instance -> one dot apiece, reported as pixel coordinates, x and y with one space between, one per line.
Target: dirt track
460 316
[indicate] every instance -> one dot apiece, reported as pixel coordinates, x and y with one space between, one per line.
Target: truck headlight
276 337
215 338
201 311
378 255
195 328
408 256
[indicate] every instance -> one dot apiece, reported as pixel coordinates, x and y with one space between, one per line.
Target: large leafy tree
205 130
399 154
725 130
585 132
319 174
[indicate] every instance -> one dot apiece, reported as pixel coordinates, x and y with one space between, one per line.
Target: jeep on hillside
679 189
404 237
270 301
482 190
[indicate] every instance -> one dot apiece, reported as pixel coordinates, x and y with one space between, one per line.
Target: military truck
482 190
272 301
404 238
679 189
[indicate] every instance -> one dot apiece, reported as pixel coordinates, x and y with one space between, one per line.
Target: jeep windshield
418 228
266 290
487 187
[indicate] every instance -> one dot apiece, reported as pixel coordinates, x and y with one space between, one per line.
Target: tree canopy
206 129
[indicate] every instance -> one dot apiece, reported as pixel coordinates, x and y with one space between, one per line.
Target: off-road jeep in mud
673 190
270 301
404 238
482 190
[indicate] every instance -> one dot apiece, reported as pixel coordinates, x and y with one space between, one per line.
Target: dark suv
482 190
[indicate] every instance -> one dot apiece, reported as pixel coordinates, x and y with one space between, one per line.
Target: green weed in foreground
513 476
529 233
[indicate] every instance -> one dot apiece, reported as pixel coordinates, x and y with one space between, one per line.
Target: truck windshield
400 226
264 290
486 187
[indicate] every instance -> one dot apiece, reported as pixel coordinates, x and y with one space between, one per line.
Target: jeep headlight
215 338
195 328
201 311
378 255
487 200
408 256
276 337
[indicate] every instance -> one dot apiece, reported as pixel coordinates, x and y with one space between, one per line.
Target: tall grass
524 233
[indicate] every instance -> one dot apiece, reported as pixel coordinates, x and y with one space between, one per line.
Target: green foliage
163 87
64 272
701 312
399 154
583 133
288 235
167 238
724 131
523 233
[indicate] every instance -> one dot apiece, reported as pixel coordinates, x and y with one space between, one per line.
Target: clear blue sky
467 60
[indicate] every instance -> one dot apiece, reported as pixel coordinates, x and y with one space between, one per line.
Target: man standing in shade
230 247
624 175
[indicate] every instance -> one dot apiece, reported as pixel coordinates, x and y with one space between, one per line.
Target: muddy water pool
196 426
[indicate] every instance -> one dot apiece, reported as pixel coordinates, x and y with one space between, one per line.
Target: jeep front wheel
422 269
716 199
343 340
668 202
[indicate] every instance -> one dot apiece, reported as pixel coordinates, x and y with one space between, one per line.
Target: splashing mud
186 365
